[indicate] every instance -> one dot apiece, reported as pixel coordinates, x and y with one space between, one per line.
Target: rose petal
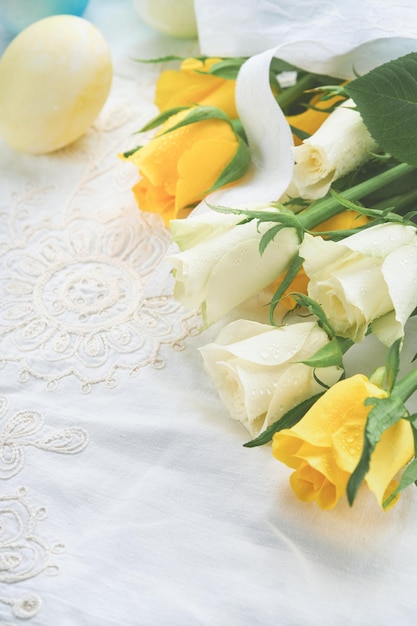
242 271
392 453
201 165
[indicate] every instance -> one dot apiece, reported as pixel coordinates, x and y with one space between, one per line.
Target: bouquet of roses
333 254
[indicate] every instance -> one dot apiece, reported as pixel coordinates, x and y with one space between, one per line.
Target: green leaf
386 98
330 354
385 413
288 420
235 169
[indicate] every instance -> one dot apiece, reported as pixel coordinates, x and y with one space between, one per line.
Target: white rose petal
257 371
358 282
224 268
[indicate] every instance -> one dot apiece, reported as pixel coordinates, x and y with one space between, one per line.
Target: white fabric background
134 502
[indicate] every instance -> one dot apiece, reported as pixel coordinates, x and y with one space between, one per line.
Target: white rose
257 371
220 266
340 145
368 278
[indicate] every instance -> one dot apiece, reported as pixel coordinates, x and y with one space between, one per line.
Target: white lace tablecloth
126 496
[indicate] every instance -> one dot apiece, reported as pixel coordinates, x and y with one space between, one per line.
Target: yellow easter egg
55 77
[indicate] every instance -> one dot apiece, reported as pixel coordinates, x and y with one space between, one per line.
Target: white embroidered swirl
76 302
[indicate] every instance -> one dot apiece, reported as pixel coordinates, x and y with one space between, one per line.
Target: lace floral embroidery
23 552
75 302
20 431
76 259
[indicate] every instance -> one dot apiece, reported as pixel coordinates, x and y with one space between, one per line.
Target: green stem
406 386
292 94
399 203
321 210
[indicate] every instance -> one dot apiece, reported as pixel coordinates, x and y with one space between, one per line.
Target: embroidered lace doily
76 259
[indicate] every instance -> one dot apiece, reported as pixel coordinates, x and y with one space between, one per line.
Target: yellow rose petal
285 445
200 167
193 85
310 485
342 221
342 403
392 453
154 199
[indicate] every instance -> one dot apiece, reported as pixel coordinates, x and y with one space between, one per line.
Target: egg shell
55 77
171 17
15 15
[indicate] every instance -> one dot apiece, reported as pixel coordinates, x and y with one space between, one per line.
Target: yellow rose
178 168
324 448
193 85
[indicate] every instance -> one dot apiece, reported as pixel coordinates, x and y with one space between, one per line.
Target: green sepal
283 216
288 420
293 269
386 98
330 91
315 309
238 128
378 376
278 66
393 364
200 114
161 118
235 169
270 235
385 215
408 478
287 219
329 109
300 134
385 413
170 57
339 235
132 151
386 375
330 354
226 68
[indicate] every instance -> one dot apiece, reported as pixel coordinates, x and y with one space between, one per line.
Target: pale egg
15 15
55 77
171 17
